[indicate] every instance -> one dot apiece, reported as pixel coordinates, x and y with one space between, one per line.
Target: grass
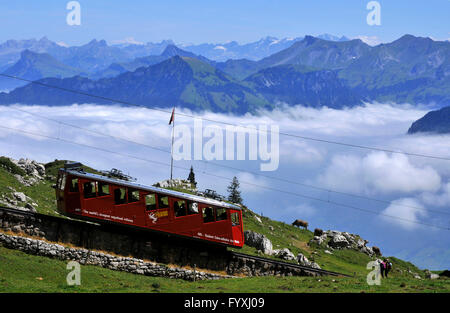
10 166
20 272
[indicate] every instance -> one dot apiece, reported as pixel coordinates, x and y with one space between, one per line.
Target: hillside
27 184
303 85
34 66
433 122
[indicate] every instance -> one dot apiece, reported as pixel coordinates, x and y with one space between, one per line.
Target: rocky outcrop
334 239
303 260
35 172
176 183
338 241
285 254
258 241
430 275
17 200
28 173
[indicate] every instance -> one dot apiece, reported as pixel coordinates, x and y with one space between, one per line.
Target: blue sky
219 21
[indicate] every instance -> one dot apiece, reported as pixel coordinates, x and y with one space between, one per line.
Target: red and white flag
172 117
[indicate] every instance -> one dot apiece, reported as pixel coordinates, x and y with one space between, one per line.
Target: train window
150 202
163 202
192 208
235 218
103 189
90 189
208 215
120 196
221 214
179 207
133 195
73 185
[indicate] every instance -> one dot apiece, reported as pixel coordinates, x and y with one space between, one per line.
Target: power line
230 167
227 123
227 178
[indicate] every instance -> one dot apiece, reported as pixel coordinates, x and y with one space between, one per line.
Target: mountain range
103 53
177 81
310 71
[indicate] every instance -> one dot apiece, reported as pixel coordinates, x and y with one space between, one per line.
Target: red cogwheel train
104 199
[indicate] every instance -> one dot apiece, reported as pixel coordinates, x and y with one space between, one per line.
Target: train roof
168 192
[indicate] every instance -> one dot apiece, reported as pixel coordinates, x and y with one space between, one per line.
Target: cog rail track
231 254
287 264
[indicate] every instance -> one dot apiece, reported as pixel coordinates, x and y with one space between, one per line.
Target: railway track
59 226
287 264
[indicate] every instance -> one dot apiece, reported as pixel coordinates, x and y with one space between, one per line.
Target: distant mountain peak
409 38
95 42
44 39
172 50
268 39
309 40
26 53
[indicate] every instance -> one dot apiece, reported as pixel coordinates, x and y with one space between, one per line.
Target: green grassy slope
20 272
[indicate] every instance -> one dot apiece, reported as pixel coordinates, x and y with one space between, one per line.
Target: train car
104 199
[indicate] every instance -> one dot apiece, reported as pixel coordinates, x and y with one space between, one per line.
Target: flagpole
171 153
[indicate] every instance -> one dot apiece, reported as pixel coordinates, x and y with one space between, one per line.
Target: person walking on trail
387 267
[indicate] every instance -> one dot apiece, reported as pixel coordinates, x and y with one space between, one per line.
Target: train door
72 195
237 227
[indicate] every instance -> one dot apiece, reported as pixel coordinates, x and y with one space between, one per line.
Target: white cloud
407 213
439 199
378 172
301 152
372 119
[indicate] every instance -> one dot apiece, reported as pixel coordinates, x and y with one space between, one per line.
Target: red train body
104 199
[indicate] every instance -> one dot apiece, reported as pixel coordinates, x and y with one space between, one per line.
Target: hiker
387 268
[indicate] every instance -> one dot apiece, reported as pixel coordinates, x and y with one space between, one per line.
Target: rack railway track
288 264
